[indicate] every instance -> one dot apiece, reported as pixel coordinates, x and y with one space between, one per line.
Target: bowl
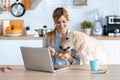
14 32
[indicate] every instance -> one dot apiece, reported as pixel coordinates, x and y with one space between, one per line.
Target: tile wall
42 14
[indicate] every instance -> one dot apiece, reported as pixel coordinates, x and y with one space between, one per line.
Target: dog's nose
60 47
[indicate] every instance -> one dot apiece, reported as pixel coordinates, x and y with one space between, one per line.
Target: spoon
4 6
9 6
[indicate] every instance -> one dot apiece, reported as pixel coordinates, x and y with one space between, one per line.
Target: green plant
86 25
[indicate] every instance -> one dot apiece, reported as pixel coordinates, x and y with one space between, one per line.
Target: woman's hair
58 12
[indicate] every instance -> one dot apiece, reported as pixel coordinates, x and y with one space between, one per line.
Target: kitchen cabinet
113 49
10 53
34 43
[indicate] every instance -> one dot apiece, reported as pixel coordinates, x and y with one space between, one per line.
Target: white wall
42 14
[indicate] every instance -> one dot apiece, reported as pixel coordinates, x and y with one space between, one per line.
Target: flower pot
87 31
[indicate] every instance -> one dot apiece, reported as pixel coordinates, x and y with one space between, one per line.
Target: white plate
102 71
13 35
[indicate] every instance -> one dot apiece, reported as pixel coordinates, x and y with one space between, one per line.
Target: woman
53 39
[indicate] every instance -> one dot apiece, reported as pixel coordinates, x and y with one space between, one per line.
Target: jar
44 29
27 30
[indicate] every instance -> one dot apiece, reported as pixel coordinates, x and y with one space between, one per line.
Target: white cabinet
113 49
10 53
34 43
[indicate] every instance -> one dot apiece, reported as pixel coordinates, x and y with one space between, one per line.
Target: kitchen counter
30 37
107 37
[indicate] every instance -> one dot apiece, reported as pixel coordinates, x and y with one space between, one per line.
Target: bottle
44 29
27 30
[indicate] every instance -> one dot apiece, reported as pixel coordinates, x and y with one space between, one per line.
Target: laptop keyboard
56 68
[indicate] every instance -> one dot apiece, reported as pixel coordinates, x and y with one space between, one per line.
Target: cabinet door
117 52
10 53
113 48
34 43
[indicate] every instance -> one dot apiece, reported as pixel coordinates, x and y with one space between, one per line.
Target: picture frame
80 2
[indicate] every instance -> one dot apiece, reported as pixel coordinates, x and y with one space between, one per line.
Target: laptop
36 58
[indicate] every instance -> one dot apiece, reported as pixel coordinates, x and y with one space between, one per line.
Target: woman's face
61 24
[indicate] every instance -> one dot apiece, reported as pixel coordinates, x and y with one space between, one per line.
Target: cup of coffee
94 65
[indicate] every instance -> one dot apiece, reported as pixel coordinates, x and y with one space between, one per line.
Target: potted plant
86 26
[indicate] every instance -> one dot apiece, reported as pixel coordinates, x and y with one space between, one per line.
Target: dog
86 47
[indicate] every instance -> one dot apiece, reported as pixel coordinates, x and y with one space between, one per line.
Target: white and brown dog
87 47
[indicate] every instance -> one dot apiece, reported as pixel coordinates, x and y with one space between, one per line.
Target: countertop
31 37
107 37
73 72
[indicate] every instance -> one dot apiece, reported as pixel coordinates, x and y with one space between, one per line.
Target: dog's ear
77 39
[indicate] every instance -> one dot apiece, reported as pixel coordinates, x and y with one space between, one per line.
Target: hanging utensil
18 9
27 4
4 6
9 6
1 5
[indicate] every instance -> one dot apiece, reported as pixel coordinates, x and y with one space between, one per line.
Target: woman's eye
64 21
57 22
67 38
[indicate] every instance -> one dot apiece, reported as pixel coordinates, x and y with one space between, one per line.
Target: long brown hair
58 12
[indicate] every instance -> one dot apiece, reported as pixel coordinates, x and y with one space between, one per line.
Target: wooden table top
72 73
31 37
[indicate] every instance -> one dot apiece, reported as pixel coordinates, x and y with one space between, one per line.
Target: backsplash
42 14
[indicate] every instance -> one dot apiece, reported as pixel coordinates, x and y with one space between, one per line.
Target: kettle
40 32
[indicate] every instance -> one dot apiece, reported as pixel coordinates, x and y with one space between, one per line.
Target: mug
94 65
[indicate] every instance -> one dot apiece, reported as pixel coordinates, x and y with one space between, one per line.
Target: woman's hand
66 56
52 50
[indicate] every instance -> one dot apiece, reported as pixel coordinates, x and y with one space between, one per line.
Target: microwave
113 23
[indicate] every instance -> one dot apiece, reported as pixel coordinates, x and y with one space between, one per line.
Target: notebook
36 58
